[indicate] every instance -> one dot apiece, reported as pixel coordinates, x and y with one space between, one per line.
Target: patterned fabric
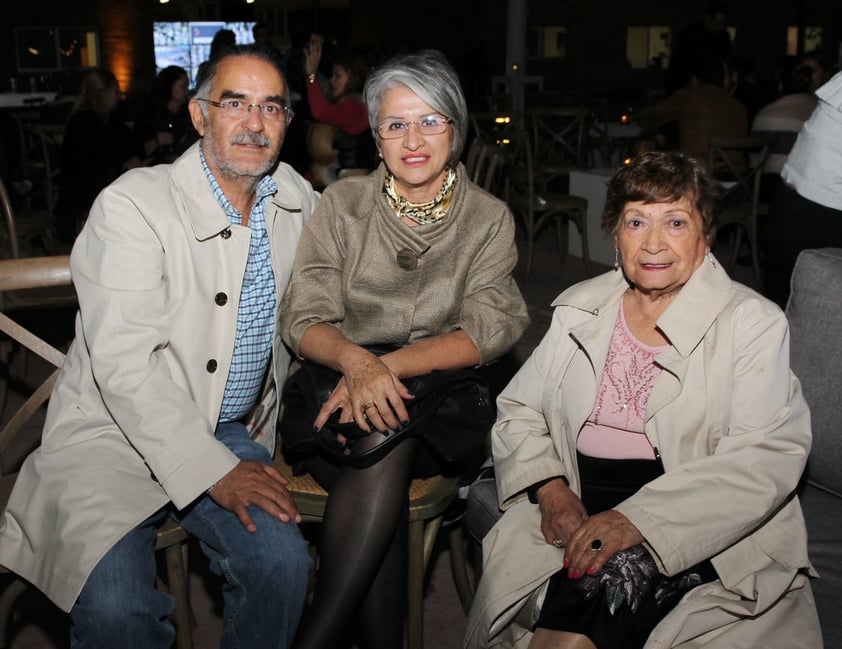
615 427
422 213
256 314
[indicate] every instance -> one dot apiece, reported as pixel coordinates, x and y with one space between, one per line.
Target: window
648 47
812 40
546 42
40 49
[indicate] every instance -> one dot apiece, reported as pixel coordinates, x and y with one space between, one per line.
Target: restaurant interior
568 75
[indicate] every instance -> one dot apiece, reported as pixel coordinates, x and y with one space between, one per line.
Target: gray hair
204 84
428 74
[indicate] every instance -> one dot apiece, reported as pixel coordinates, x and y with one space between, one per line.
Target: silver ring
558 543
596 545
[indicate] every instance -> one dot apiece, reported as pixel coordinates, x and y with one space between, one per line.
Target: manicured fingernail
566 563
591 570
572 574
405 422
315 429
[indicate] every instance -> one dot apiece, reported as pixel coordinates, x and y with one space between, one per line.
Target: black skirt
606 483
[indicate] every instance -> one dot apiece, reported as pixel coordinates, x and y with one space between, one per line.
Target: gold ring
366 405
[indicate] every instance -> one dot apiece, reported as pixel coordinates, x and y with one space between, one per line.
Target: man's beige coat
158 269
733 431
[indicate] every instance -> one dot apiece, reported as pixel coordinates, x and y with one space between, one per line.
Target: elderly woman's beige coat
733 430
130 427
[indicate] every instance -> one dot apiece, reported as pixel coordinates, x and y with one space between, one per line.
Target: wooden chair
737 162
536 206
559 139
19 234
21 433
428 501
484 164
50 137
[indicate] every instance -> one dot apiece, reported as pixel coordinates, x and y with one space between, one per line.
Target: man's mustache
257 139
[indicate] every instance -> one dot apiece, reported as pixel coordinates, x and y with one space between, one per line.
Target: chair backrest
738 163
10 231
559 135
814 310
484 164
50 137
16 438
519 175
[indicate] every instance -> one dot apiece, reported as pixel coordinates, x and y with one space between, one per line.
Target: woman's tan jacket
377 280
733 430
158 269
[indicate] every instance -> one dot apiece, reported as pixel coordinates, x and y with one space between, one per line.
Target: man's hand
255 483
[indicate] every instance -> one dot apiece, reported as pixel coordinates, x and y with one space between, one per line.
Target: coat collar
207 219
684 322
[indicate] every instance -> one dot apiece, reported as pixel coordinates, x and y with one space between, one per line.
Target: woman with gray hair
417 257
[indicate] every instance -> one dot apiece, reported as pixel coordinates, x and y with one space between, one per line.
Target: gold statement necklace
422 213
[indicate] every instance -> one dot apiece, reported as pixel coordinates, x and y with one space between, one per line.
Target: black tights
362 579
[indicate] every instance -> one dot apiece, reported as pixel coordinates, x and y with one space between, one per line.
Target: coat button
221 299
407 259
226 233
211 366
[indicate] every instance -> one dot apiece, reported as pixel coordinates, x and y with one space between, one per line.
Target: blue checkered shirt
256 315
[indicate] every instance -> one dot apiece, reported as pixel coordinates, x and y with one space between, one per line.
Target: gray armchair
815 314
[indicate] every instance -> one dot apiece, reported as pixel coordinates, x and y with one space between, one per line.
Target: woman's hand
596 540
562 512
313 54
369 393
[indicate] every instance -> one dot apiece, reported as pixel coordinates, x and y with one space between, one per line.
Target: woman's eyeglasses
393 129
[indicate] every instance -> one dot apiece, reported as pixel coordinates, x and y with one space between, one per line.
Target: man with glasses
167 400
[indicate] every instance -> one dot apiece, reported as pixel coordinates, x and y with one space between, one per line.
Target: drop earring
616 259
712 259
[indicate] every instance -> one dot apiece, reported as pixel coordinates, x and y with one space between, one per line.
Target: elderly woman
413 255
648 451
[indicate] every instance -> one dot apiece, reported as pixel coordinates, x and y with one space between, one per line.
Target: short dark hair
718 7
662 177
254 50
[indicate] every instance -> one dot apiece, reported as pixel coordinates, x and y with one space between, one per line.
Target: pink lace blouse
615 428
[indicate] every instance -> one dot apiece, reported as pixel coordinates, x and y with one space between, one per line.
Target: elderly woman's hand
562 512
596 540
369 393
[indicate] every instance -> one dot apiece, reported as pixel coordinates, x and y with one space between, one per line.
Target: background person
701 109
346 143
649 450
805 210
96 148
413 255
164 404
164 127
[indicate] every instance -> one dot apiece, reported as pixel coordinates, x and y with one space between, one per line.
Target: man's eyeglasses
392 129
271 111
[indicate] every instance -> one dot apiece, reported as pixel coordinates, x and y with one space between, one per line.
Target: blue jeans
265 575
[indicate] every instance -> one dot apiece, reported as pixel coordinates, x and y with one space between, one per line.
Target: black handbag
452 411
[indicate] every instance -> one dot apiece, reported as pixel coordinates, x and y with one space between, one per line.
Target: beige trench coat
733 431
130 427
